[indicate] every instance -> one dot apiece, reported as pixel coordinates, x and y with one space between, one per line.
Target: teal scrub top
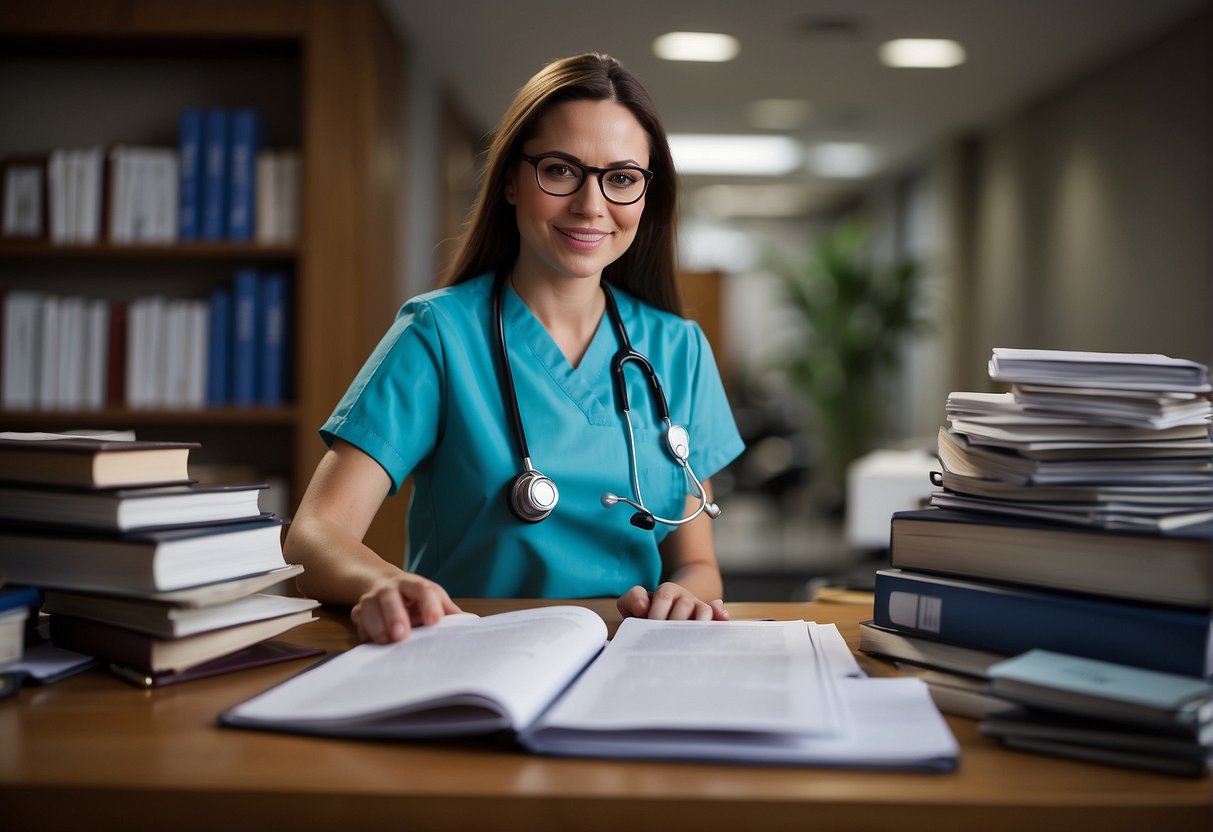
428 402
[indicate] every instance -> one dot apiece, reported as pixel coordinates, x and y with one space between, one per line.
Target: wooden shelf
329 77
127 417
219 250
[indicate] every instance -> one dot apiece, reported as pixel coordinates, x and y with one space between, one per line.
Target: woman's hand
390 609
669 602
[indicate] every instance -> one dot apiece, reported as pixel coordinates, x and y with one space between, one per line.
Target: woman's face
580 234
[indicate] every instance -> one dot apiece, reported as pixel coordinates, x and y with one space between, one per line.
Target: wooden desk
94 752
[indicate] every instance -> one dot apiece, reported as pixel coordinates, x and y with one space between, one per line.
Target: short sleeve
392 409
715 439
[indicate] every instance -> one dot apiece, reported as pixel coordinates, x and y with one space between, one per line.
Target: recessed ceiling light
735 155
842 160
922 52
932 53
696 46
779 113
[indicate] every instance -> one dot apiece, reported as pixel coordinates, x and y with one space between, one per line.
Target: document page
463 675
687 675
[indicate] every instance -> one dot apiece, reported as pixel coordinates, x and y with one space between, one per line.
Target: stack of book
162 578
1073 516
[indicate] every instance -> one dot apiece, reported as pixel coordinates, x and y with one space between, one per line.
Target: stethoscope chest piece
533 496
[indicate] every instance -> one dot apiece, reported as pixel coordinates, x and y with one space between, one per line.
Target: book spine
273 335
22 341
190 133
115 392
1002 620
214 175
103 640
219 349
245 139
246 287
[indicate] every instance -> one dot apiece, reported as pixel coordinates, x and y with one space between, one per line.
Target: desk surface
94 751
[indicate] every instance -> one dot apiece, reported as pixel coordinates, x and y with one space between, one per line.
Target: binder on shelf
190 135
273 334
244 135
219 348
246 287
214 175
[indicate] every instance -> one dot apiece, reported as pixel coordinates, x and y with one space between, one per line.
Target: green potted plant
855 313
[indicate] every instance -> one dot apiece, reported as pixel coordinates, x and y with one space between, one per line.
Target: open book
763 692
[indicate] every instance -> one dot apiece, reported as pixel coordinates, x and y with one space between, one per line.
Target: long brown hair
491 241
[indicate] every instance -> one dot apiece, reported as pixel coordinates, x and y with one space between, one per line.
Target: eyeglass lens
560 177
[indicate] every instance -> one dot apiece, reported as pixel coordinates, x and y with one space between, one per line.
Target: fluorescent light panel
842 160
710 47
757 201
740 155
928 53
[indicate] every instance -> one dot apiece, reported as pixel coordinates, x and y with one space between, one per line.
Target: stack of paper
1121 441
785 692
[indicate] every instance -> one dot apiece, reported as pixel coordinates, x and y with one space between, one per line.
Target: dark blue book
20 597
219 349
273 332
1011 620
244 140
246 291
189 129
214 175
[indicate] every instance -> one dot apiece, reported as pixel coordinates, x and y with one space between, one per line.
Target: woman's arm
326 537
690 575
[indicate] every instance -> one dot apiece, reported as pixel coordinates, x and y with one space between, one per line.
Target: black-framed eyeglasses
558 176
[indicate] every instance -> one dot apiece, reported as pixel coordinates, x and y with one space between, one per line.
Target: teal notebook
1094 688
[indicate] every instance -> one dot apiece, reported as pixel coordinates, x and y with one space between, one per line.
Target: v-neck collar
588 385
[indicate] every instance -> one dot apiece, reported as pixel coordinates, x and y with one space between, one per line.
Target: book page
687 675
514 663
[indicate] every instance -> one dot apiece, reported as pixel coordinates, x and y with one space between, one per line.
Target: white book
266 211
197 353
57 176
71 353
48 355
22 342
160 191
90 172
174 343
96 340
122 196
289 195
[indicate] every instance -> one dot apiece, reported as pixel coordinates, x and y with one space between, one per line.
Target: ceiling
819 51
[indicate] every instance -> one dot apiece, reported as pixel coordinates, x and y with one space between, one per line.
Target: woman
513 367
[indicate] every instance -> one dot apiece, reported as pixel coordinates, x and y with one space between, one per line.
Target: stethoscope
532 495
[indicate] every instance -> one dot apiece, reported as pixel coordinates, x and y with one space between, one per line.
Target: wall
1092 217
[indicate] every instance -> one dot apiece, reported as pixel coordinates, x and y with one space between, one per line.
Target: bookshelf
328 79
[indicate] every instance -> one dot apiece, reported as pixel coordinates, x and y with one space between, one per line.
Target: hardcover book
1167 568
130 509
140 562
153 655
1011 620
52 459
